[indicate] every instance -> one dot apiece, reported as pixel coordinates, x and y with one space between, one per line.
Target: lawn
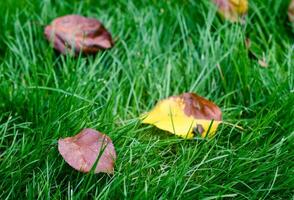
162 48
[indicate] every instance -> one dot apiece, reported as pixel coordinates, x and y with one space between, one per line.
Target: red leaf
82 150
78 33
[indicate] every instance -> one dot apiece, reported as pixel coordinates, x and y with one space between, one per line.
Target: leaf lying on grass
84 149
79 34
185 115
233 10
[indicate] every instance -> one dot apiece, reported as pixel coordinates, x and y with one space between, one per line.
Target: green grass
162 48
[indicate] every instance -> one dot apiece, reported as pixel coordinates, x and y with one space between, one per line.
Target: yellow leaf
185 115
232 10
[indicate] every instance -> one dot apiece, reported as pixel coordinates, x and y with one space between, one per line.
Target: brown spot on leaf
200 107
78 33
198 129
82 150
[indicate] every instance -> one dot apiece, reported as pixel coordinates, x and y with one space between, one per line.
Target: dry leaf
79 34
233 10
291 11
185 115
82 150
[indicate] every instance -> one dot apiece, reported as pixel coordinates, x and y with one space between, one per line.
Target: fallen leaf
82 150
185 115
291 11
233 10
74 33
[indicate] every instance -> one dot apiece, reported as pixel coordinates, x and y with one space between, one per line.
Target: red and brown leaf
79 34
82 150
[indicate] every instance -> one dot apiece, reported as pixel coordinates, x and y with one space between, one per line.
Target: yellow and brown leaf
185 115
233 10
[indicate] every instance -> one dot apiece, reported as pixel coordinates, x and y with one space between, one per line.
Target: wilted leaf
84 149
233 10
186 115
291 11
78 33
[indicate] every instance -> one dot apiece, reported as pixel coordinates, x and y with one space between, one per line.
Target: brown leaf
291 11
233 10
79 34
82 150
